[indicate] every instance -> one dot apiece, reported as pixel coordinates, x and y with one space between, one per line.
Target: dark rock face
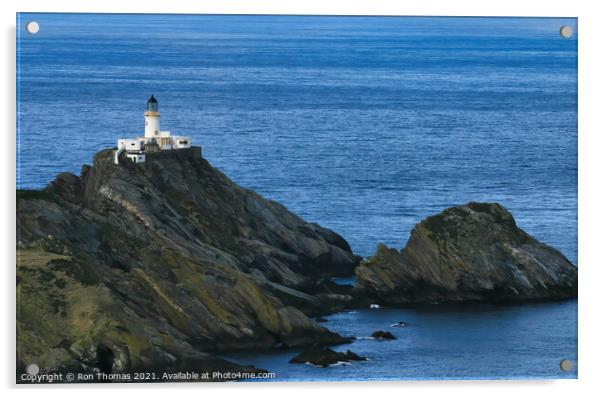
383 335
471 252
323 357
159 264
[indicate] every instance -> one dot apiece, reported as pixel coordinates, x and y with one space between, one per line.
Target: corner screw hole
566 32
32 369
32 27
566 365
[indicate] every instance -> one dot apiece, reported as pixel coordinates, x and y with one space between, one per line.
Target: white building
153 140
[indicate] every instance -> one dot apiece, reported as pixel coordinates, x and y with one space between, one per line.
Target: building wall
136 158
130 144
165 143
181 142
151 124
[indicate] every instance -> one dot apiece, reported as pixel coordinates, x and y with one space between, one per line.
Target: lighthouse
136 149
151 118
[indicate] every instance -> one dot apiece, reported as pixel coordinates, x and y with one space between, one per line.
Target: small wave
330 365
340 363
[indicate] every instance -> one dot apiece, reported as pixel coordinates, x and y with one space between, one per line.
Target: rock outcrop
324 357
161 264
472 252
382 335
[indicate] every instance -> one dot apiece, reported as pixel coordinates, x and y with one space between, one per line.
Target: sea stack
473 252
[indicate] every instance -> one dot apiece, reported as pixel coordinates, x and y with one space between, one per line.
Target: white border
310 7
590 172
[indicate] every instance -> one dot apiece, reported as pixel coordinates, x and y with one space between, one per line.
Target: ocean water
444 342
363 124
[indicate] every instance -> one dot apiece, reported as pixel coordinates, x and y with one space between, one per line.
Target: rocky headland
473 252
167 264
164 263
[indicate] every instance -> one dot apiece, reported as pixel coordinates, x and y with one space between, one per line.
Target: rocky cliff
471 252
160 264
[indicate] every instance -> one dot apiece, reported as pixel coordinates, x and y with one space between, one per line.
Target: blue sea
363 124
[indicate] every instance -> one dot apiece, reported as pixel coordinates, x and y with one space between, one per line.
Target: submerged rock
383 335
160 264
323 357
473 252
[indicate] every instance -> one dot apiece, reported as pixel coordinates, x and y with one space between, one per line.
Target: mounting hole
566 31
32 27
566 365
32 369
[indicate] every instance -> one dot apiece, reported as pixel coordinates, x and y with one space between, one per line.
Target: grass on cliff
31 257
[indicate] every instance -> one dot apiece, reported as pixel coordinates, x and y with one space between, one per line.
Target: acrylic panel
295 198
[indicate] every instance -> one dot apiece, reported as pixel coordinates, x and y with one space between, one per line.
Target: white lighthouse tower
154 139
151 118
